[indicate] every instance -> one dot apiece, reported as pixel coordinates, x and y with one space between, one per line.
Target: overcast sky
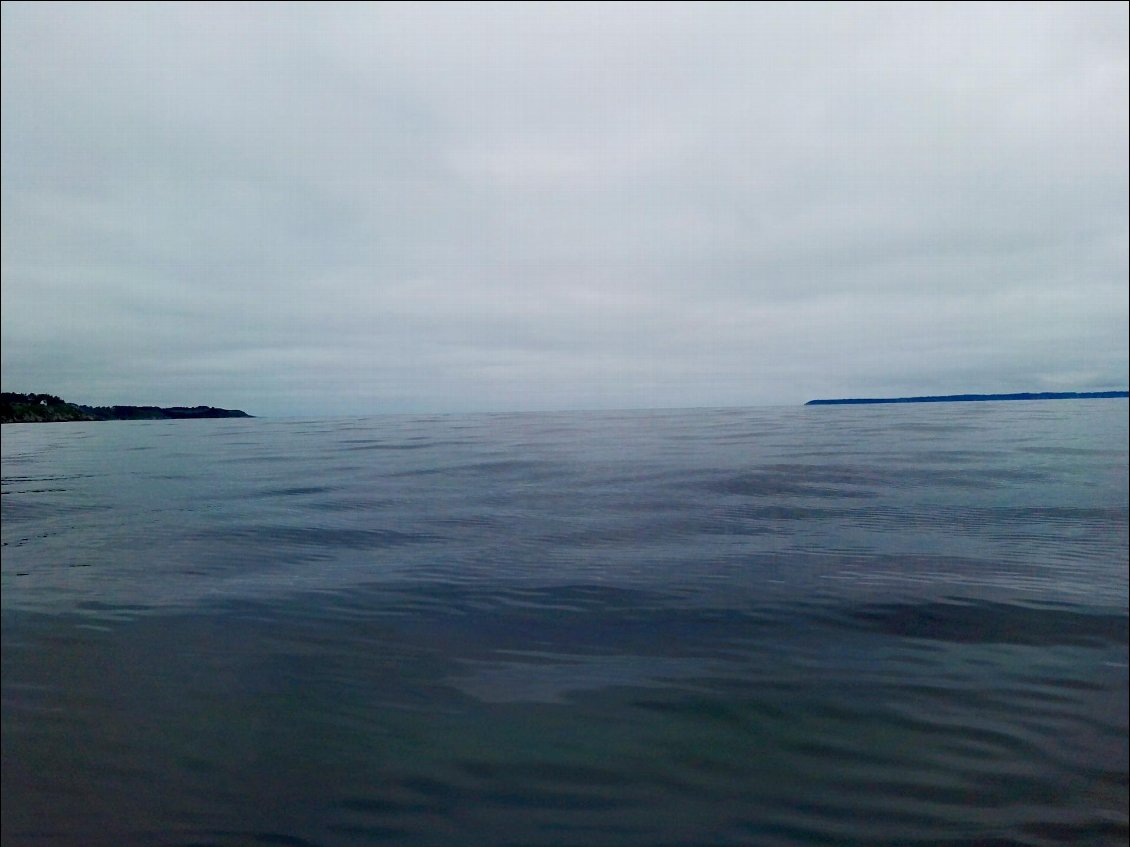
351 209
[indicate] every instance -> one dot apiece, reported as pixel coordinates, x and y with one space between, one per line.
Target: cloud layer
360 208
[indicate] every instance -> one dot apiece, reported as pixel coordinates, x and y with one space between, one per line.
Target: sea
856 625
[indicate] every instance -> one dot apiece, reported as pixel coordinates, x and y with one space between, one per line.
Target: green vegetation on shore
47 408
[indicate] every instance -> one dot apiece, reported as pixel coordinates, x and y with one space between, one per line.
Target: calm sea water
841 626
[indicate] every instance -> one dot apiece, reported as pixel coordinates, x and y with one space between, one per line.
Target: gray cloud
354 208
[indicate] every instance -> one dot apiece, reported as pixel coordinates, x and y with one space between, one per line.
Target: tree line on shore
46 408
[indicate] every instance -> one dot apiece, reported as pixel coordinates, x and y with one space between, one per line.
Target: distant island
47 408
974 398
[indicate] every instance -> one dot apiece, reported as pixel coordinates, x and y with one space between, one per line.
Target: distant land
47 408
975 398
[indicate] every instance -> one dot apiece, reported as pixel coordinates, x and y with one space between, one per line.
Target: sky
363 208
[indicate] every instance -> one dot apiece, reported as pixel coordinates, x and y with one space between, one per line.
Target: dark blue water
834 626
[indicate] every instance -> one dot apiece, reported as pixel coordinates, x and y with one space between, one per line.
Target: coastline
47 408
975 398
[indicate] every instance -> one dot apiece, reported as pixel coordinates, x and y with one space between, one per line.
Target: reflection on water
780 626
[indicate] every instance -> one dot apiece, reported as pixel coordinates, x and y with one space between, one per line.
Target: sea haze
866 625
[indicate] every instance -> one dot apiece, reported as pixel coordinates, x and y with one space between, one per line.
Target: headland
47 408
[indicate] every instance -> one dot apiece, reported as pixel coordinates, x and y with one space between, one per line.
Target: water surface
844 626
